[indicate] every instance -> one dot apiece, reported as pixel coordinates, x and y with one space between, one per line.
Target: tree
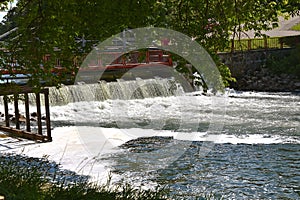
4 4
214 23
3 8
46 25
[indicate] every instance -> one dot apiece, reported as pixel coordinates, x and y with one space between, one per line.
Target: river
237 145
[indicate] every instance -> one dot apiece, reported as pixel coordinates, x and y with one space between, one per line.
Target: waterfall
133 89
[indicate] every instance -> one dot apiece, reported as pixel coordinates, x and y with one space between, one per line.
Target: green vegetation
289 64
296 27
44 25
37 179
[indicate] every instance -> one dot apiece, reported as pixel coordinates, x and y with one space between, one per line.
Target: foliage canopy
46 25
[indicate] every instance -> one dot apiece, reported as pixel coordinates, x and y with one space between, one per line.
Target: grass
296 27
28 178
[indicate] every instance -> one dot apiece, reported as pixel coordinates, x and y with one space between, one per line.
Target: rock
265 79
22 118
284 81
297 84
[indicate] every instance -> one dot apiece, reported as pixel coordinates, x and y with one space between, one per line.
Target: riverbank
65 168
25 177
253 70
263 80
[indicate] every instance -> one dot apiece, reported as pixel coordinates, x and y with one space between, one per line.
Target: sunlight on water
255 156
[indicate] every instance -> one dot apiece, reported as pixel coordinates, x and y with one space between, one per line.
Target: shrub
289 64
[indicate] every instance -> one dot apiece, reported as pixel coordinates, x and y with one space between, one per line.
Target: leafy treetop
45 25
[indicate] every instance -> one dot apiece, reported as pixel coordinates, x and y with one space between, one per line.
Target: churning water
255 154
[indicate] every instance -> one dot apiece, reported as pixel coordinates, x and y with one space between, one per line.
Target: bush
225 73
289 64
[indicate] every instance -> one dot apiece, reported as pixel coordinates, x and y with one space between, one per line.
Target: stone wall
251 71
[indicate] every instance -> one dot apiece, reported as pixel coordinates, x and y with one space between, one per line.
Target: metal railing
265 43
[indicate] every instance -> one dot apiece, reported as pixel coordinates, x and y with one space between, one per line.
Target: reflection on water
258 157
253 169
238 172
265 171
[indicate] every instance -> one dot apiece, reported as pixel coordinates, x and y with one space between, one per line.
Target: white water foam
262 118
72 153
244 117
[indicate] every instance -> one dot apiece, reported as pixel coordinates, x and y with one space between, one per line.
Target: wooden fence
13 94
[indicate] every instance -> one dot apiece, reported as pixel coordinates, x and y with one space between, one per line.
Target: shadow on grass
23 177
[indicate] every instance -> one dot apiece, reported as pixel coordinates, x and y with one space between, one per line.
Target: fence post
281 44
27 114
232 45
266 42
47 108
5 99
38 112
17 114
249 44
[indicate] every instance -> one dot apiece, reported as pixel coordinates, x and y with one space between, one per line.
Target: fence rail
15 92
265 43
